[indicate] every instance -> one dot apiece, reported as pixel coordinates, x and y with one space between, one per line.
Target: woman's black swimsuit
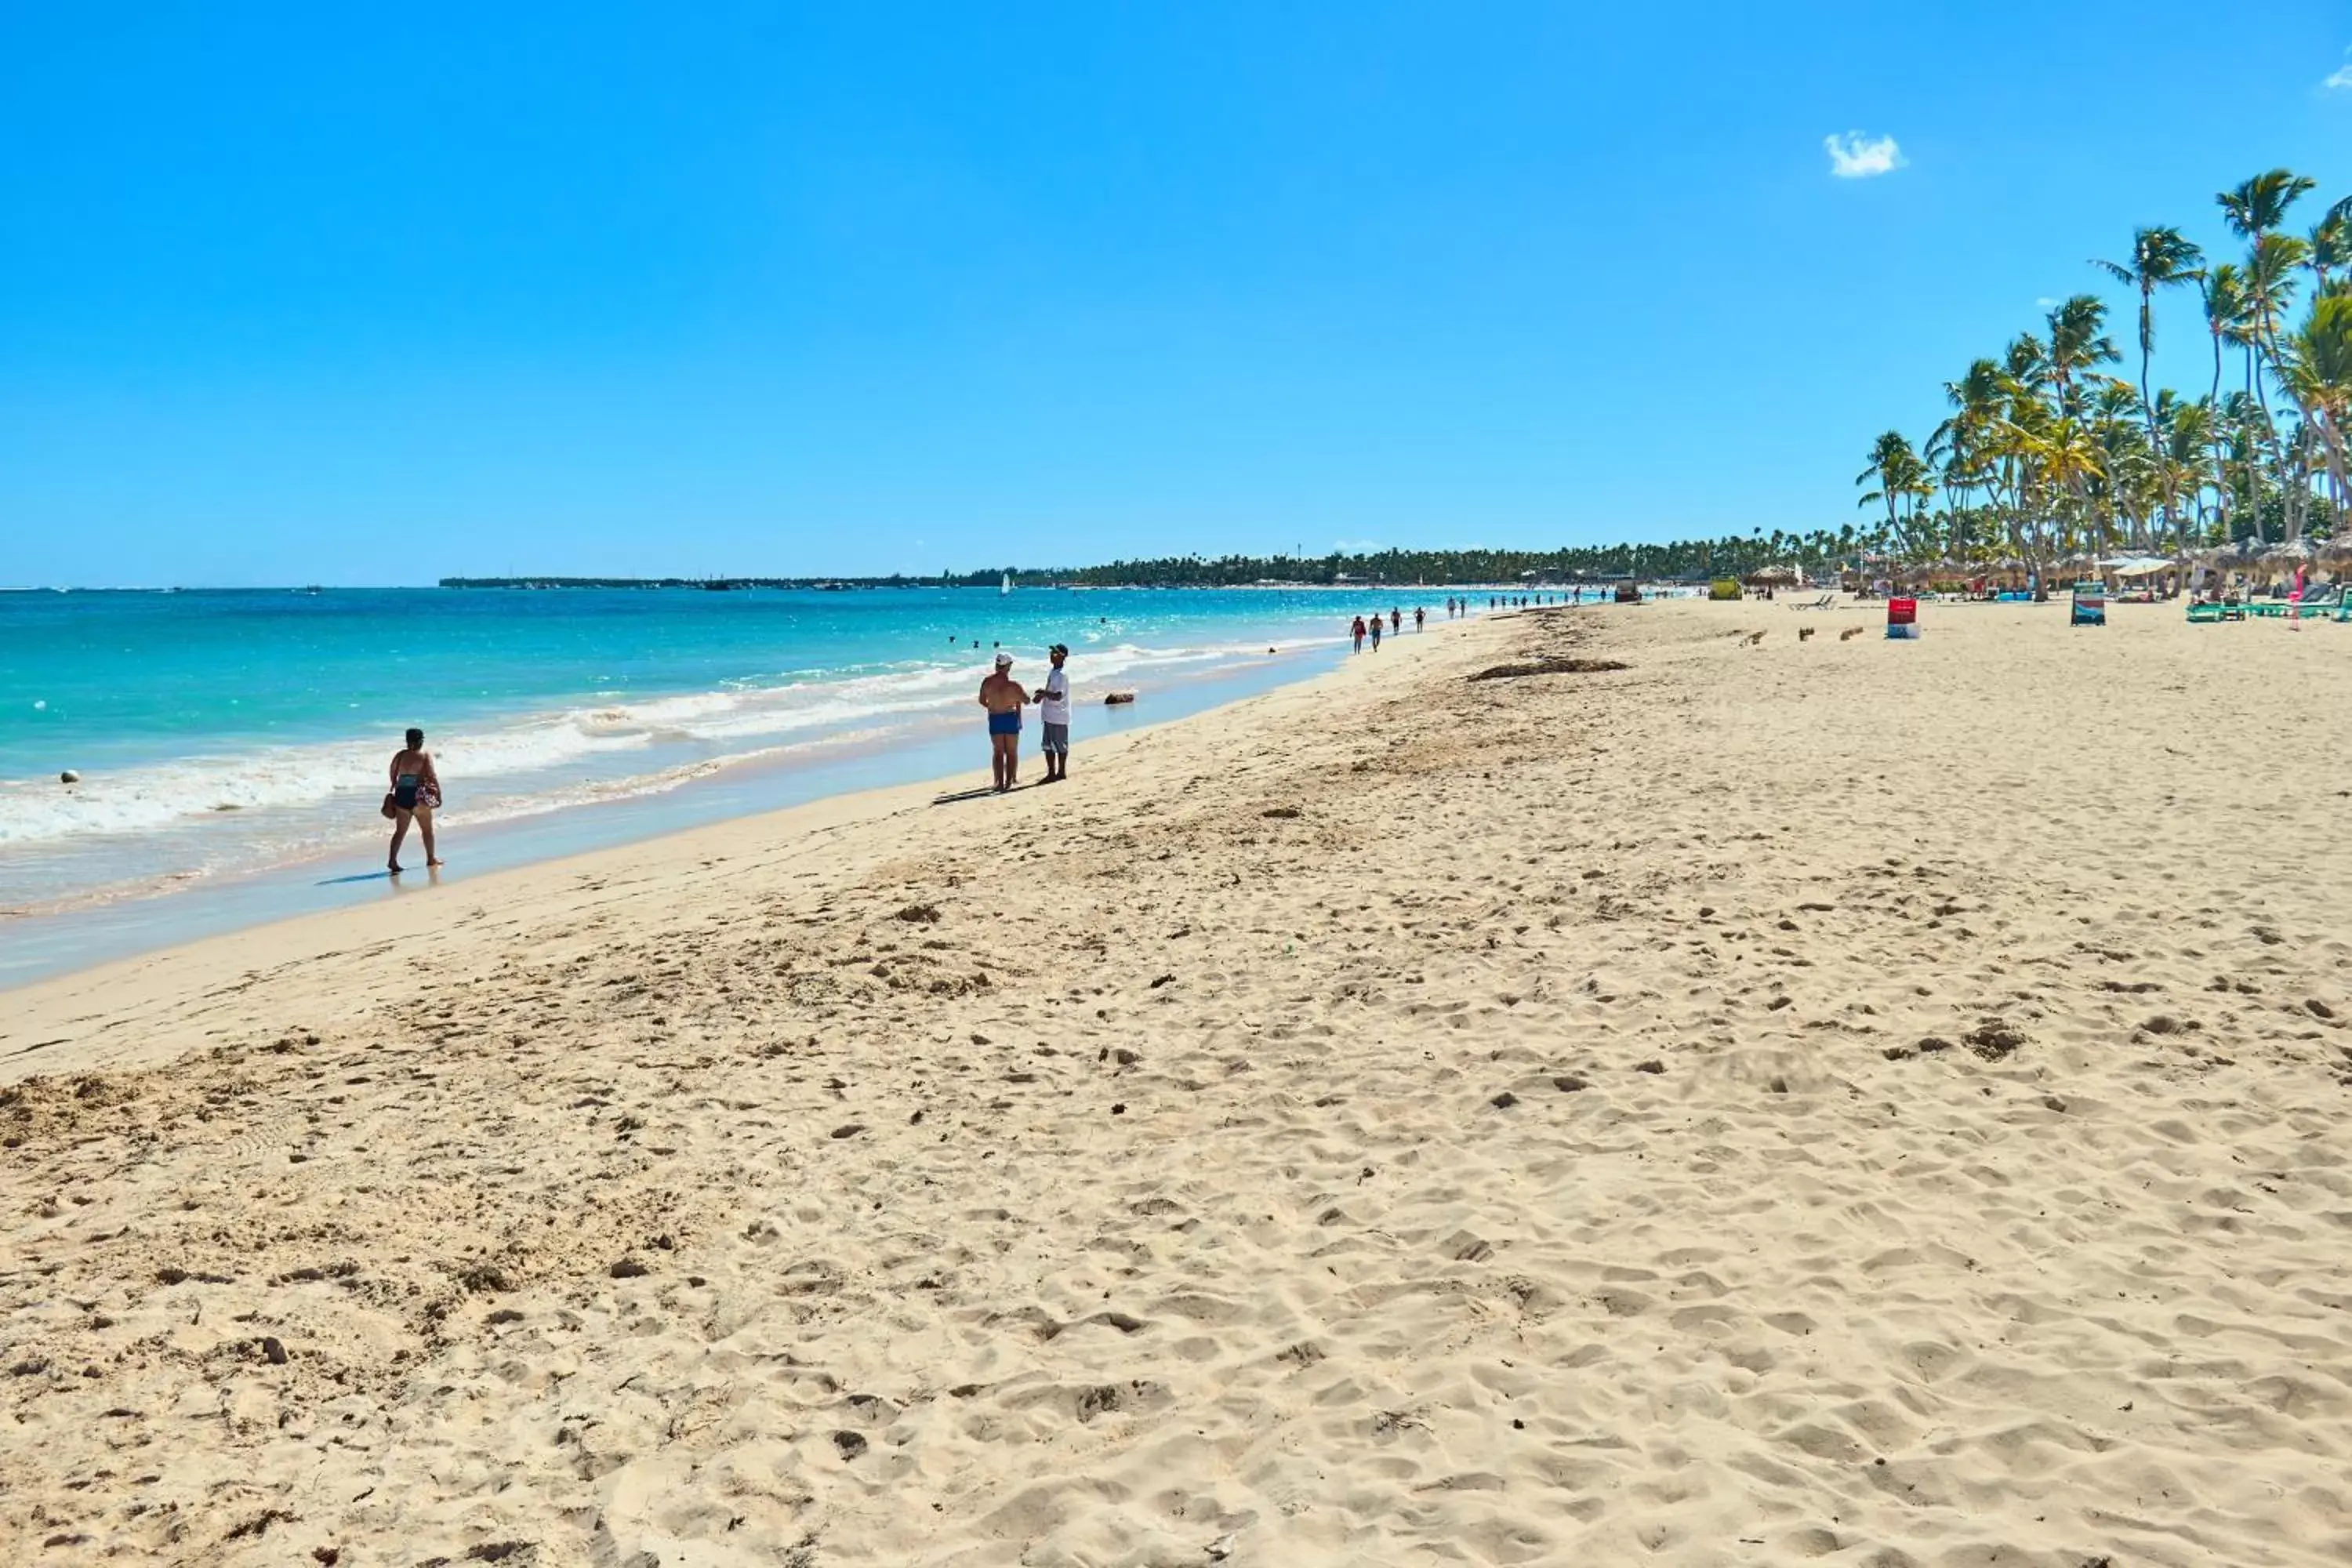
403 791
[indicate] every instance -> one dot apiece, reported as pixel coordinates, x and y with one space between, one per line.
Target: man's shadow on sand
985 792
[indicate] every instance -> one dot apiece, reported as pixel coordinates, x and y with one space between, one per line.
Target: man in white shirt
1054 714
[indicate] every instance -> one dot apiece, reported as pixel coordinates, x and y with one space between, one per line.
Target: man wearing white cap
1054 716
1003 698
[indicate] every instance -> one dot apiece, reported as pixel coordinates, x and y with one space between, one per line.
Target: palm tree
2226 307
2126 486
2255 210
2078 346
2271 269
2161 259
2237 427
2319 370
1956 446
2258 206
2331 242
1896 470
2186 451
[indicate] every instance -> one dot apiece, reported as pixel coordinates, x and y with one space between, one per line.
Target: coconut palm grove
2054 450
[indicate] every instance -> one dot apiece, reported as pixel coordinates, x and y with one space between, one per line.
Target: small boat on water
1005 586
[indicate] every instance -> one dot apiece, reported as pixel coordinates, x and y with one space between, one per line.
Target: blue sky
356 295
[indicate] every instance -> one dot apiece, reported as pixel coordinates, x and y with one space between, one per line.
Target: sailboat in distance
1005 586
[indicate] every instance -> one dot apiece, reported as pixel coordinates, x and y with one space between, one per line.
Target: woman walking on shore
415 795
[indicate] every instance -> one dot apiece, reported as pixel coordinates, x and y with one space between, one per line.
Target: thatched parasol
2278 563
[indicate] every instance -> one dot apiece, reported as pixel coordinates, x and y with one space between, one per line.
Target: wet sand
1777 1101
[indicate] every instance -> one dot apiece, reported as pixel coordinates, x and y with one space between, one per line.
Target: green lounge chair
2206 611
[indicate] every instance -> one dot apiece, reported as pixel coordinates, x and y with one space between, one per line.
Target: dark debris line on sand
1550 666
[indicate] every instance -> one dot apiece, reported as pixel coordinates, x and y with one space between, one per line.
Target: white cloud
2047 303
1853 157
2342 77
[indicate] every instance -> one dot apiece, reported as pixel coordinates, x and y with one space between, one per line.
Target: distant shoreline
1033 581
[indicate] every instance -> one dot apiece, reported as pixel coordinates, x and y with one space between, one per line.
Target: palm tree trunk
2148 406
2221 458
2265 438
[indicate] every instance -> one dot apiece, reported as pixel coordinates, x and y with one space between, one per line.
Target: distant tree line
1733 555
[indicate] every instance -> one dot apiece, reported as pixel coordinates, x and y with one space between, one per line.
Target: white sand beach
1789 1102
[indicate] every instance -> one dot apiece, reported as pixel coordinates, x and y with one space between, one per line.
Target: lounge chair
1822 603
2210 610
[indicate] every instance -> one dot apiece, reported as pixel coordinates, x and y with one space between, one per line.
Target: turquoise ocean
235 740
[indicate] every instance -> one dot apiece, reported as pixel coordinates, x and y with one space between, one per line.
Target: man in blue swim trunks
1003 696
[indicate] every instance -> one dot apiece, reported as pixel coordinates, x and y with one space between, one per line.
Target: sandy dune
1827 1102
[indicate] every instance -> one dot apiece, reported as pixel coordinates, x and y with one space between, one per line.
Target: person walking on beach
415 795
1419 615
1396 619
1357 631
1376 632
1054 716
1003 698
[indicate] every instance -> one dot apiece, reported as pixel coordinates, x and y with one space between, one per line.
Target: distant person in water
1003 698
1054 715
1357 631
415 795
